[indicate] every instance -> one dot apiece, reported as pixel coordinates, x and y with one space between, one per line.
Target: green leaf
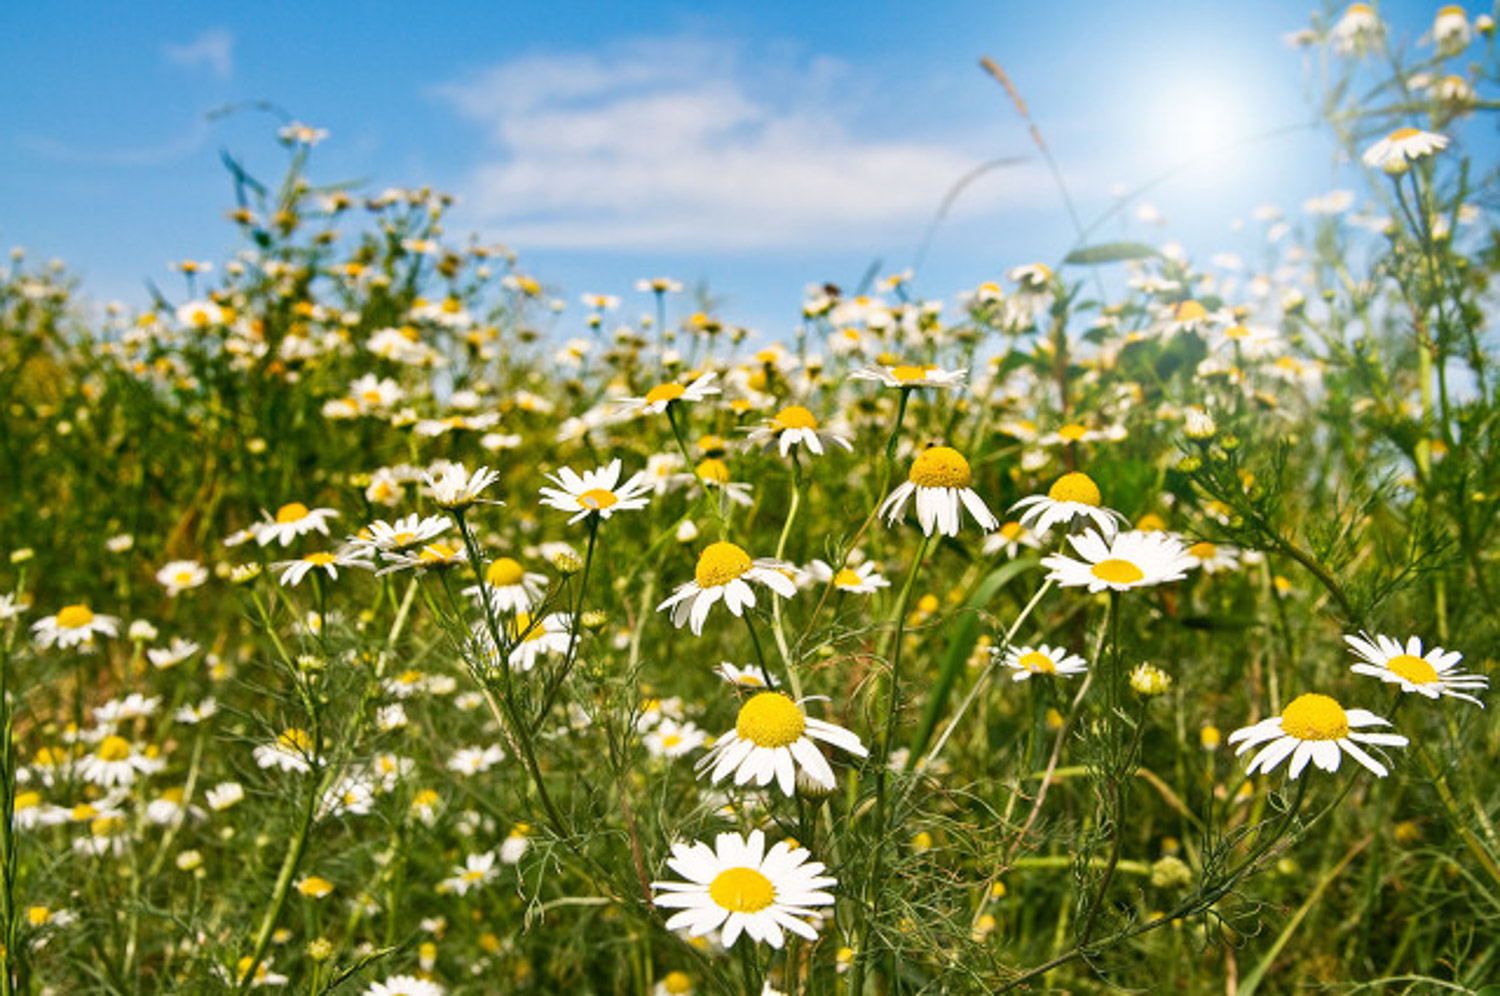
1110 252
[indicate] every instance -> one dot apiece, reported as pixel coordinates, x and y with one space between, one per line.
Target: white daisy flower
1010 538
293 571
1212 558
115 764
1129 560
403 534
670 738
940 478
1031 276
862 579
793 425
473 760
509 586
659 397
1431 674
456 489
1072 496
371 392
908 375
224 795
1356 29
551 634
352 795
168 808
1450 30
179 576
133 706
596 492
514 846
291 520
1314 728
1402 147
477 871
773 738
293 750
433 427
1042 659
196 712
432 557
171 655
74 626
725 571
739 887
404 985
749 676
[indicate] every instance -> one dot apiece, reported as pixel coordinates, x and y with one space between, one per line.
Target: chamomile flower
596 492
115 763
862 579
292 751
290 521
1314 728
404 985
293 571
1213 558
1400 148
1450 30
432 557
659 397
403 534
773 738
475 760
725 571
1042 659
940 478
1010 538
1357 29
173 654
1128 560
179 576
669 738
793 425
906 375
477 871
739 887
224 795
749 676
1072 496
509 586
552 634
74 626
455 489
1431 674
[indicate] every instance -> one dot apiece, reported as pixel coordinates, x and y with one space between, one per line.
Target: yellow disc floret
1402 134
503 572
1190 311
74 617
1078 487
597 498
847 578
1314 717
1117 571
113 748
907 374
940 467
291 512
1413 669
320 559
795 417
1038 663
742 890
770 719
1204 550
721 563
664 392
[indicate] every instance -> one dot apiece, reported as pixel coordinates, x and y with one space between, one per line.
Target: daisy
740 887
131 707
1031 276
404 985
552 634
859 580
1212 558
1450 30
713 473
940 478
596 492
1401 147
1128 560
291 520
403 534
433 427
180 575
1431 674
659 397
473 760
224 796
725 571
291 751
750 676
455 489
796 424
1072 496
1314 728
478 870
115 763
1042 659
1356 29
515 844
509 586
432 557
1010 537
173 654
168 808
907 375
293 571
773 738
74 626
673 739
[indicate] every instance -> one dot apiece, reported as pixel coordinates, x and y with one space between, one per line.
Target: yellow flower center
1117 571
1010 531
1038 663
1402 134
847 578
1237 332
906 374
1077 487
940 467
425 798
74 617
524 623
742 890
437 553
1314 717
107 826
372 397
719 564
596 499
770 719
504 572
315 887
38 916
1203 551
795 417
294 741
1413 669
1072 433
664 392
1190 311
83 811
320 559
173 795
714 470
27 800
113 748
1151 523
677 983
293 512
670 740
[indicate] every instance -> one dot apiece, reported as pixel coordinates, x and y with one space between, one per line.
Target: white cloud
680 144
213 48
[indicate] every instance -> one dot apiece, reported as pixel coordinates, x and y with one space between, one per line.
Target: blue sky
756 147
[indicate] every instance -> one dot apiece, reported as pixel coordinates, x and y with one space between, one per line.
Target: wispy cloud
165 151
690 144
213 49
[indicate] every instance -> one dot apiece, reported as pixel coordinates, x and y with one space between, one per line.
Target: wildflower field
372 623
